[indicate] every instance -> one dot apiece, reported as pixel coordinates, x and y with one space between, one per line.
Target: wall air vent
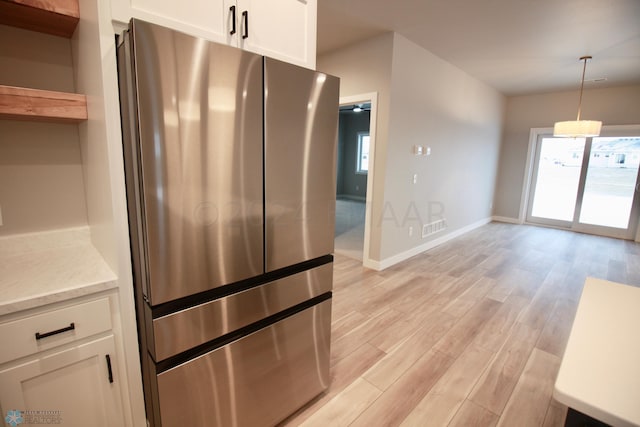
433 227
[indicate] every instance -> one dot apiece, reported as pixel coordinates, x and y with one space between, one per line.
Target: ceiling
349 109
516 46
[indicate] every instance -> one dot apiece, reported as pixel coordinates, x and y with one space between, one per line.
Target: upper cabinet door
203 18
281 29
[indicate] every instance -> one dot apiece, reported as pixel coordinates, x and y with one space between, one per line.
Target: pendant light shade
578 128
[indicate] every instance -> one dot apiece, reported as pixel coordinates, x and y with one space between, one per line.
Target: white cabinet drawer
48 330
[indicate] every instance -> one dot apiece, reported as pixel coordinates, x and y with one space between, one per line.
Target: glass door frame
558 223
535 144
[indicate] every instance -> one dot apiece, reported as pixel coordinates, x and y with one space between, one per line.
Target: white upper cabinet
281 29
202 18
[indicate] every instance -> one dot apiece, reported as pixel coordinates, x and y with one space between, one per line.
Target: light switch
428 151
415 178
417 150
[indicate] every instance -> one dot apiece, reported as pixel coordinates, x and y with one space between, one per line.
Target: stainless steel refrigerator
230 175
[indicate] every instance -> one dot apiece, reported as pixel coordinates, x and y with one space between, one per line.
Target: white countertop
600 370
42 268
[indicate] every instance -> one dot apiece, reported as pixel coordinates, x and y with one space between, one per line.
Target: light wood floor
468 334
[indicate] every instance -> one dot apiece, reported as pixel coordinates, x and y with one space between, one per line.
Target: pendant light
578 128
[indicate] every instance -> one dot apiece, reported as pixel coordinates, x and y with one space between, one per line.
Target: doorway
587 184
354 169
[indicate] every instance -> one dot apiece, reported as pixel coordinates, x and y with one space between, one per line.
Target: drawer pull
71 327
109 370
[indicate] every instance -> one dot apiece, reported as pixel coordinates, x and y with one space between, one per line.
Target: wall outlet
410 231
357 187
415 178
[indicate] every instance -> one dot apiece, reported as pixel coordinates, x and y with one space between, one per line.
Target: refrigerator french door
230 174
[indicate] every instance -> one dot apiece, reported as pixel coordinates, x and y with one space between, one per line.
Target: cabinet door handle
71 327
232 11
245 18
109 370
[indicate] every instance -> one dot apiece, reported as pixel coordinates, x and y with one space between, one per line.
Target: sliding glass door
556 180
587 184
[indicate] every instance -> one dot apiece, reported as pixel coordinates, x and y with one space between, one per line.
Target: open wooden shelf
41 105
57 17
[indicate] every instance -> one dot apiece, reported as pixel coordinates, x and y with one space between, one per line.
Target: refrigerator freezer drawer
255 381
180 331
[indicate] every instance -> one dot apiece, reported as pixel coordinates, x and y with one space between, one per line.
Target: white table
600 371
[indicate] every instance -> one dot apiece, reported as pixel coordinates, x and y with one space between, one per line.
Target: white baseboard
403 256
506 219
372 264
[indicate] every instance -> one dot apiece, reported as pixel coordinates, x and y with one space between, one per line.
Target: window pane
611 181
558 178
363 153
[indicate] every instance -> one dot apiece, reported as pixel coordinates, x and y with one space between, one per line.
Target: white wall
437 105
366 67
423 100
41 182
614 106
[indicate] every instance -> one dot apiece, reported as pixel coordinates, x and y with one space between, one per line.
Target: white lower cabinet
73 387
59 364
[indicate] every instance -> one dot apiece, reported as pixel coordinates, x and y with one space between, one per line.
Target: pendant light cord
578 128
584 69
